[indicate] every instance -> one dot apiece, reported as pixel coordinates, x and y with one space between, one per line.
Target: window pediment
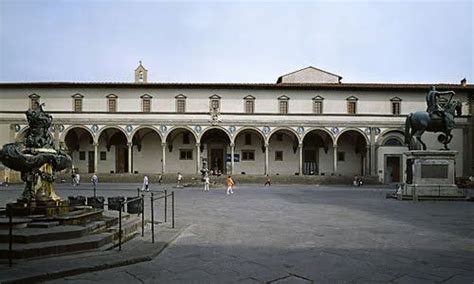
215 97
249 97
180 96
318 98
283 98
395 99
77 96
146 96
34 96
111 96
352 99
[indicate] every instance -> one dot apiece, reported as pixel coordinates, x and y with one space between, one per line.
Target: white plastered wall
148 160
290 163
249 167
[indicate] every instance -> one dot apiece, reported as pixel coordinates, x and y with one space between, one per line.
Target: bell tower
141 74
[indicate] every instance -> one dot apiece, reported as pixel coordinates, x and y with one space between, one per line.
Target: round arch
386 134
319 129
63 135
283 129
215 127
165 137
141 127
97 138
248 128
336 140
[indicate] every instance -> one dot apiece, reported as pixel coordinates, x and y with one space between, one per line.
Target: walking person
206 182
268 182
145 183
95 181
78 179
229 182
179 180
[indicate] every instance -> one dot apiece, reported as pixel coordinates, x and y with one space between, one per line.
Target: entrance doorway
310 164
121 160
216 160
90 161
392 169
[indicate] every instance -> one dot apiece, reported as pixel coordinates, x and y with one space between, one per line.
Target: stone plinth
431 173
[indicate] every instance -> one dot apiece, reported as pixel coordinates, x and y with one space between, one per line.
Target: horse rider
433 105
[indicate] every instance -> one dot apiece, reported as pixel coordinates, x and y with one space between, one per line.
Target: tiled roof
325 86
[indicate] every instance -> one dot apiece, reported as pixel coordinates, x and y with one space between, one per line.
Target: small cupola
141 74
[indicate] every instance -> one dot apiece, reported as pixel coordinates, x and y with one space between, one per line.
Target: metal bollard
138 191
152 220
10 240
143 215
120 228
172 209
166 203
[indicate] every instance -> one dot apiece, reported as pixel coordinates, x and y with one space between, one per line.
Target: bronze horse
420 121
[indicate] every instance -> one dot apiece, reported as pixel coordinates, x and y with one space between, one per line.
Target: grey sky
247 41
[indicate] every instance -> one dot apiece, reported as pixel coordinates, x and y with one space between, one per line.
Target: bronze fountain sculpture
38 161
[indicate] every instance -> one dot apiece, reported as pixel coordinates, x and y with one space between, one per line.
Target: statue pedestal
49 208
430 174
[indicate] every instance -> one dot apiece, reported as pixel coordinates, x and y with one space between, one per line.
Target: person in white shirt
145 183
206 182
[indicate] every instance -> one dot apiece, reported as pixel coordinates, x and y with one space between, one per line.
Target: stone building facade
308 123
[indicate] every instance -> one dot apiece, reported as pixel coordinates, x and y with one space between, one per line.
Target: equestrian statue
438 117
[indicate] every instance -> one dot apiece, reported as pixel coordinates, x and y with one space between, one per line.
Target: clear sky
243 41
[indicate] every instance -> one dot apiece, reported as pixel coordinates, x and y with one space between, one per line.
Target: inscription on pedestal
434 171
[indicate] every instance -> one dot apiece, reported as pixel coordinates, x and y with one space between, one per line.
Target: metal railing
122 208
152 203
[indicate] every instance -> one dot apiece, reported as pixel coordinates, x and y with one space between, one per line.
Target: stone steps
65 239
106 239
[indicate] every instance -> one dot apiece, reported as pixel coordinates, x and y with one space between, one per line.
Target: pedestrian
78 179
268 182
229 182
145 183
206 182
179 180
95 181
160 179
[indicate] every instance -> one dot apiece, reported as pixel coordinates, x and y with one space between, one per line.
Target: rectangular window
185 138
146 104
283 106
181 106
34 103
185 154
248 139
351 107
341 157
103 156
248 155
77 104
278 155
215 104
249 106
112 105
318 107
396 108
82 155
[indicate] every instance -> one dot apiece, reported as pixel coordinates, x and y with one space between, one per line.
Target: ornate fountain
38 161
